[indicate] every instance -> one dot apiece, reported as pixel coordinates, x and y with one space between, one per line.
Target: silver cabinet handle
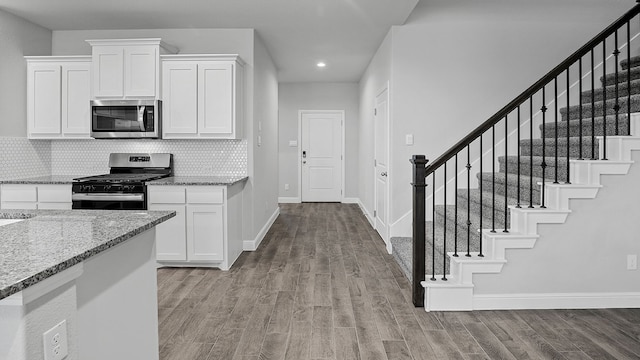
107 197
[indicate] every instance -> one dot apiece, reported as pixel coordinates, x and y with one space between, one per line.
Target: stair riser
487 223
625 63
600 109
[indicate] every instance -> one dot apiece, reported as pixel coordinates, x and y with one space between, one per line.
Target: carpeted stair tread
462 227
634 61
470 199
527 145
535 162
526 182
610 78
599 108
622 89
574 126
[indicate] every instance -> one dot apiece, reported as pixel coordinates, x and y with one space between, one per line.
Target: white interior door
381 118
321 156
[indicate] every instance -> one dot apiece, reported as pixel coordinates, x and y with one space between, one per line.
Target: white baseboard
289 200
556 301
402 227
366 214
252 245
350 200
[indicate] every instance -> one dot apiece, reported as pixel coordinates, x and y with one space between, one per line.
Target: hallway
321 286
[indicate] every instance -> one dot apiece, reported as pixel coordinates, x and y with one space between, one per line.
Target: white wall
375 78
587 254
316 96
18 38
454 64
264 157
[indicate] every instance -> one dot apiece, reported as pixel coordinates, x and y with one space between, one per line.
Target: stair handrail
532 90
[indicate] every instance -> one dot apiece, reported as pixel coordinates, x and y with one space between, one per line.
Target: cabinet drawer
54 193
55 206
167 195
205 195
20 193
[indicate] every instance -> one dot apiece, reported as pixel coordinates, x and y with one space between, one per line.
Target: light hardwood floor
321 286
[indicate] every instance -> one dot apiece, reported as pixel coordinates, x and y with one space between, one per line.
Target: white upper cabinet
58 94
202 96
127 68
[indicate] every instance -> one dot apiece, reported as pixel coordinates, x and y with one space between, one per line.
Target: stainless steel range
124 188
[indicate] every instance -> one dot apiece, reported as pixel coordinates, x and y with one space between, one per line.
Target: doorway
381 164
321 162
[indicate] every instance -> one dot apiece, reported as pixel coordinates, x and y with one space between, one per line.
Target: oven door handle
106 197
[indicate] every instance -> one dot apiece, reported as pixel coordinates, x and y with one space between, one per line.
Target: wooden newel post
419 184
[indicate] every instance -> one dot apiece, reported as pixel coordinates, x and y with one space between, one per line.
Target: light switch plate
408 139
293 143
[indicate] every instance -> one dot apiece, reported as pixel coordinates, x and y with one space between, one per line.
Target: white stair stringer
457 293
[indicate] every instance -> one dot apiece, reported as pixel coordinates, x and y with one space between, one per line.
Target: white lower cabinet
199 233
35 196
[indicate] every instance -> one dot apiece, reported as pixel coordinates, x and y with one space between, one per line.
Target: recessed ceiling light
321 64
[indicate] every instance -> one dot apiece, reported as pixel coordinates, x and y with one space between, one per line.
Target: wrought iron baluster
604 101
433 228
469 198
455 188
480 229
531 152
518 146
629 77
544 154
568 139
579 108
555 118
493 178
506 177
616 107
444 228
593 107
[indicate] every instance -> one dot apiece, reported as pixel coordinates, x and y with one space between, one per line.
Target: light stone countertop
199 180
50 241
173 180
49 179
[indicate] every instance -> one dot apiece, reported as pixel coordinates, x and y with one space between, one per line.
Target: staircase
522 193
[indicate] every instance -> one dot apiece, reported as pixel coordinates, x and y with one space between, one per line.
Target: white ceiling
298 33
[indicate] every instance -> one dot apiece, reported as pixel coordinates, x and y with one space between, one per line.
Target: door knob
304 154
383 174
304 161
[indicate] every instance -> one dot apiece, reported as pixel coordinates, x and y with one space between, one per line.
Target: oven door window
122 118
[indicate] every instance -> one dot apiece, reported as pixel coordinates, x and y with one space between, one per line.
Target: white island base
109 303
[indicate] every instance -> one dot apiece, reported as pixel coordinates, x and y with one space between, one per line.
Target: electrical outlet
55 342
286 187
632 262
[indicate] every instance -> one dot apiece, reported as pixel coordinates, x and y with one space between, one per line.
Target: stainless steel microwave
126 119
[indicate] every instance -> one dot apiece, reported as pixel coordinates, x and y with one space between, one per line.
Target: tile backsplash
191 157
24 158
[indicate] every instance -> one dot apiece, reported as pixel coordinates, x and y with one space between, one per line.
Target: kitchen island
92 271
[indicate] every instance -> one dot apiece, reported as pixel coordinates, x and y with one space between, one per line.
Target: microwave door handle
141 116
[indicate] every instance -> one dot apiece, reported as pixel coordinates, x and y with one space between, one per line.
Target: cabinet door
216 108
76 93
140 70
108 71
43 99
205 233
171 240
180 104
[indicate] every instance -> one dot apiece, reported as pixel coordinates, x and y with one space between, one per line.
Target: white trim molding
556 301
289 200
252 245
